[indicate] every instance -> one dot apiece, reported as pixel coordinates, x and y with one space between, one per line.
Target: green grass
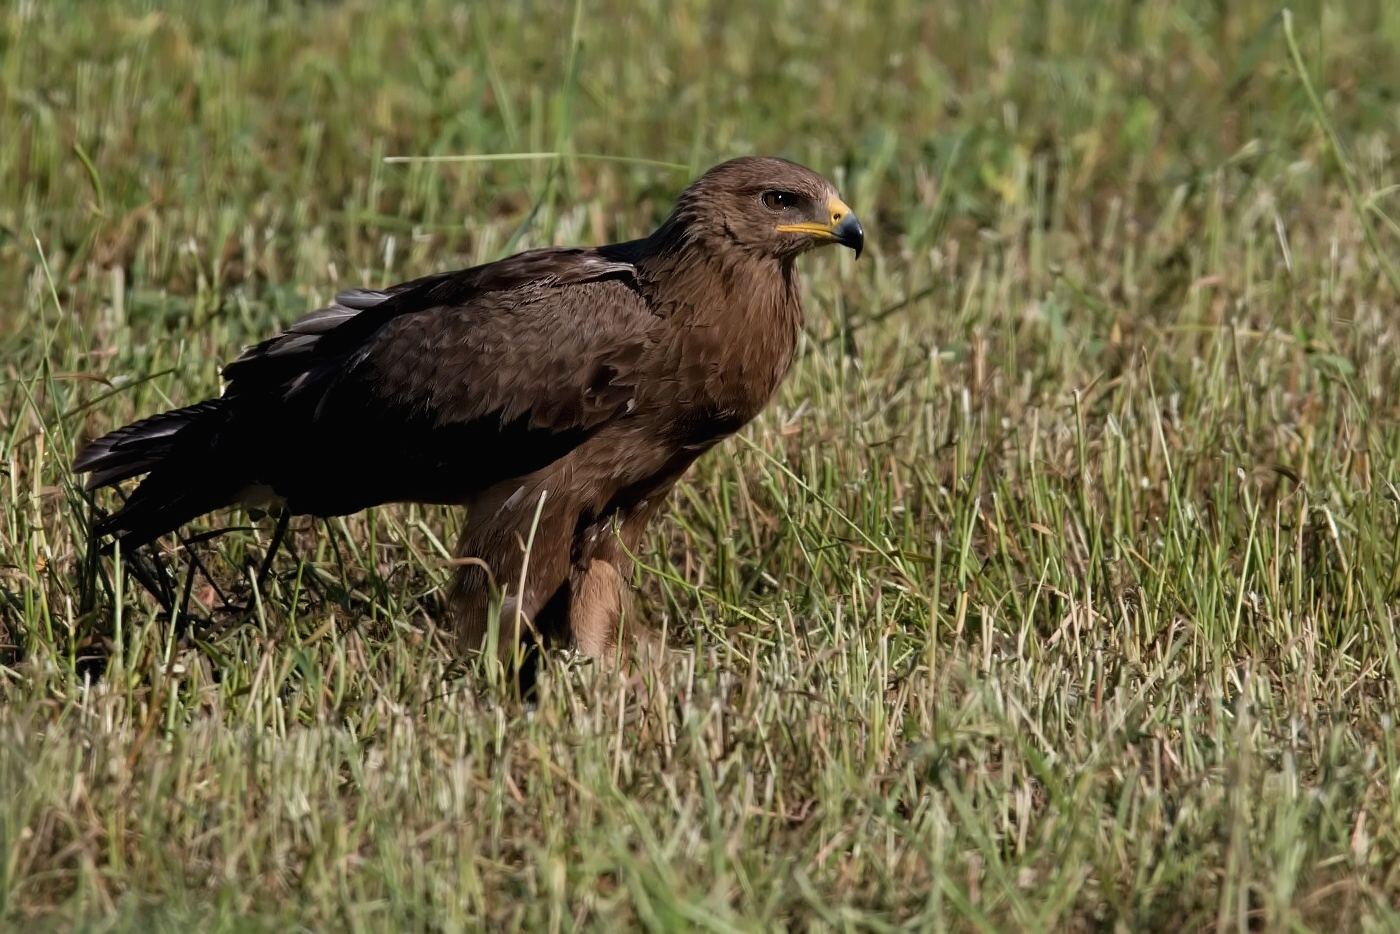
1055 591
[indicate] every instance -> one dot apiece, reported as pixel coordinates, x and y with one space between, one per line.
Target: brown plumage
576 384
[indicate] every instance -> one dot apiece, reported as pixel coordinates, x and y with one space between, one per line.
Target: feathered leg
502 542
602 603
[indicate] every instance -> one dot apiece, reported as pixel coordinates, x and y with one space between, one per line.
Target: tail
186 474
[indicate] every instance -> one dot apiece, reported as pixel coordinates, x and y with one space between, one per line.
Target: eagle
558 395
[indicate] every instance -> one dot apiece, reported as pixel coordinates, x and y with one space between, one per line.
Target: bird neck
737 316
700 277
711 280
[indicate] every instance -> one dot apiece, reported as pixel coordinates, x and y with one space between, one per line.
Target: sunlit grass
1055 591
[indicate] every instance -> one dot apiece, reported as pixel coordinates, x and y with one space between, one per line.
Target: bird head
767 206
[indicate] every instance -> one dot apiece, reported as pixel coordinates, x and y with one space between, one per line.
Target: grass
1055 591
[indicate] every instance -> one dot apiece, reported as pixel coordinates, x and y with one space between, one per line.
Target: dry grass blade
1055 591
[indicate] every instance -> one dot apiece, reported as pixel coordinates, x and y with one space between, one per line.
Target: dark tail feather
138 447
186 476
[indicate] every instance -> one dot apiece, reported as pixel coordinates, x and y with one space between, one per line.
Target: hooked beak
843 227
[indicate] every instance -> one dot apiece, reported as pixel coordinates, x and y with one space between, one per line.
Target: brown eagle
560 392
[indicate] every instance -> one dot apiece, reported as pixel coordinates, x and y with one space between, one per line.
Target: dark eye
779 200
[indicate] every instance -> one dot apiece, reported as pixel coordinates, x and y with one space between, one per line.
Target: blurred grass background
1056 591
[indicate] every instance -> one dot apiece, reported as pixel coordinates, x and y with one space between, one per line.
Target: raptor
560 392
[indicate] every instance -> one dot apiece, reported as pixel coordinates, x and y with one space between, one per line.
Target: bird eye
779 200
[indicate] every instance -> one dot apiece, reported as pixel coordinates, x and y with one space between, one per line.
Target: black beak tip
849 233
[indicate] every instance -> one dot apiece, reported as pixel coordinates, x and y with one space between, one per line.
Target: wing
437 388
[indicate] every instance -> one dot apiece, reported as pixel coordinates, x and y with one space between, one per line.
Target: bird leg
577 589
603 620
598 602
602 601
494 556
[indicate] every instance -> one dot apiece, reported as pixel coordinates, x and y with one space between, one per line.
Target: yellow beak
843 227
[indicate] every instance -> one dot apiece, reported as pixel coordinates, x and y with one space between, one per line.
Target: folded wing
428 391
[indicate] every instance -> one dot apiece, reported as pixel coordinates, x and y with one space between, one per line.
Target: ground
1055 591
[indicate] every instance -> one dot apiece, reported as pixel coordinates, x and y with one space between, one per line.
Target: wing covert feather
553 336
560 357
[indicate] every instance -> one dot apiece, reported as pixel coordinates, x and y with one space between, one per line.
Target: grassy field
1056 591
